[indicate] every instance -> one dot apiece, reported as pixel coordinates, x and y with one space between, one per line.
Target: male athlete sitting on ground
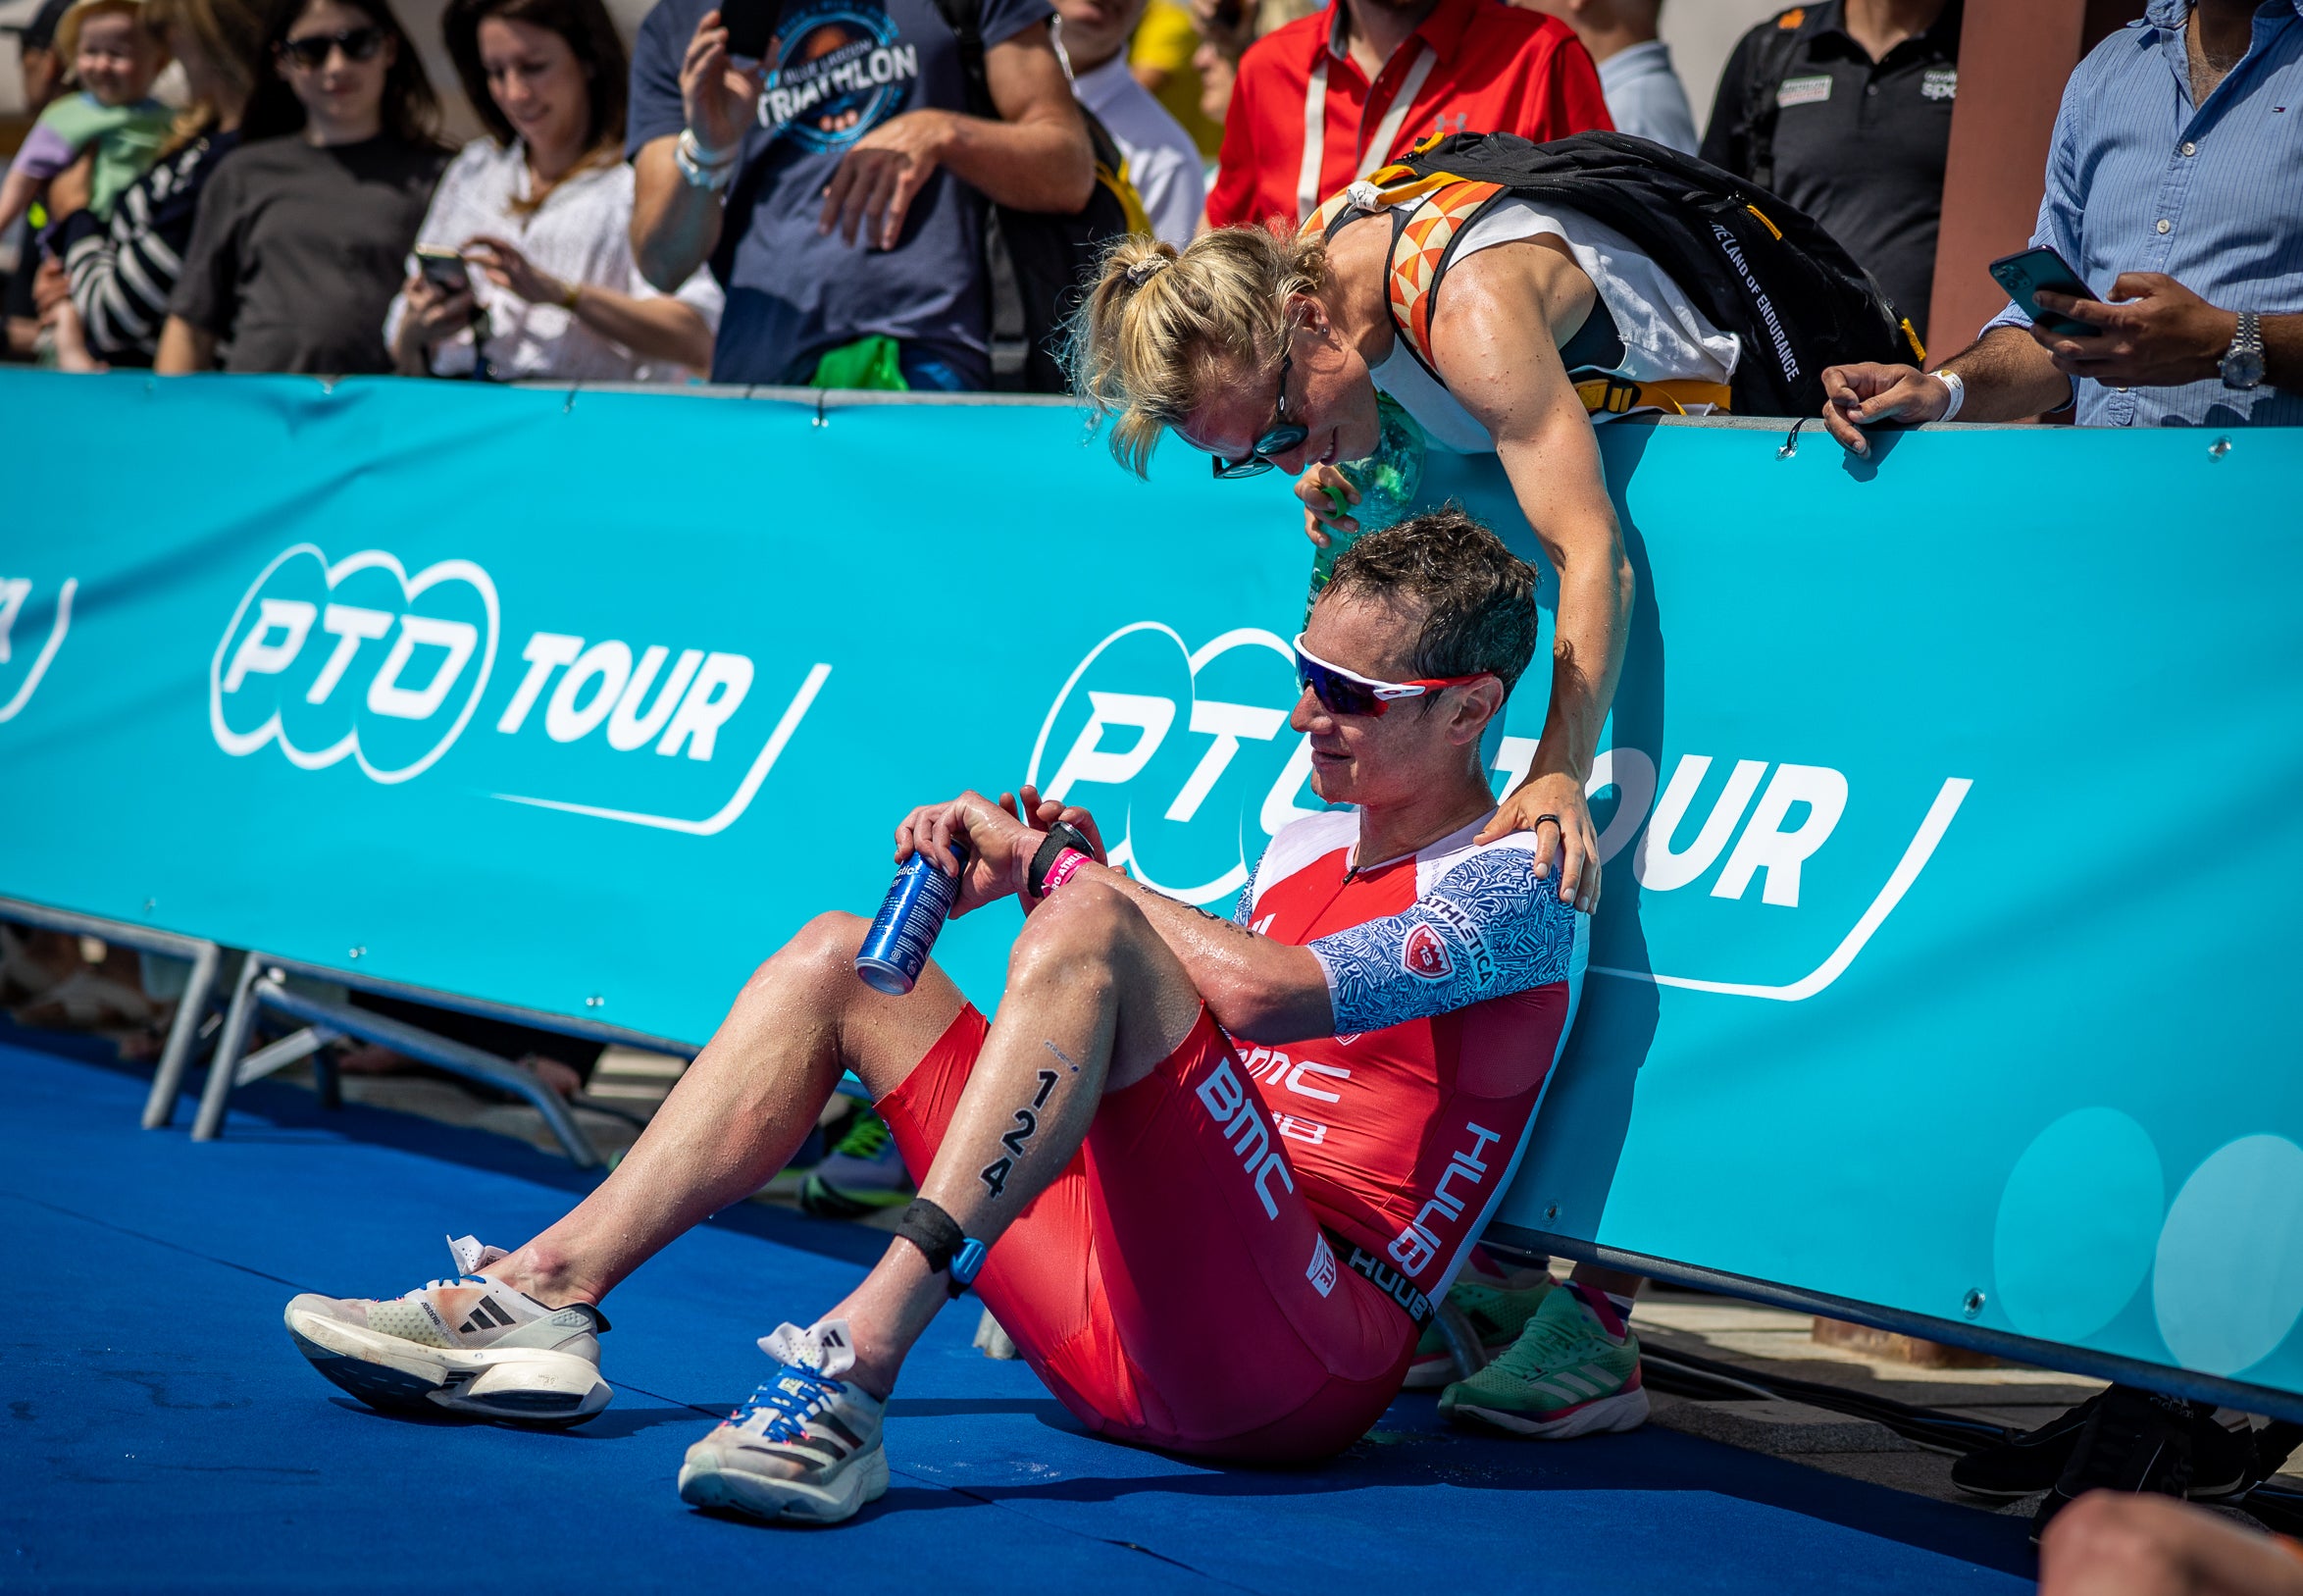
1226 1259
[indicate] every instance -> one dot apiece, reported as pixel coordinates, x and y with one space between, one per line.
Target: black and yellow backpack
1749 263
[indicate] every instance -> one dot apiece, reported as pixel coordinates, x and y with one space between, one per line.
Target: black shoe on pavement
2136 1441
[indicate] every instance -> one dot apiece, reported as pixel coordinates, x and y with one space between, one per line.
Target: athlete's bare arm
1514 385
1258 989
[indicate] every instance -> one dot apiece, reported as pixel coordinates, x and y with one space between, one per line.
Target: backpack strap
965 19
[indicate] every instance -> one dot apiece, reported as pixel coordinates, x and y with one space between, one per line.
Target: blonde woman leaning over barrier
1269 351
1265 351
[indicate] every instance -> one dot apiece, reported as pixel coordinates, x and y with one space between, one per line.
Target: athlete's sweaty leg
1095 1001
742 1110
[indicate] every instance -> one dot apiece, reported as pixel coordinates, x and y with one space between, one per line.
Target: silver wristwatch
2242 364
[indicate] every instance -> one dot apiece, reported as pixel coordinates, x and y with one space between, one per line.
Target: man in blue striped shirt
2176 177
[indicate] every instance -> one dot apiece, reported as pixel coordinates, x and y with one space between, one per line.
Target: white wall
1701 33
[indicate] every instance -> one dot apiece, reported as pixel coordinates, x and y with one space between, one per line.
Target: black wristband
1059 837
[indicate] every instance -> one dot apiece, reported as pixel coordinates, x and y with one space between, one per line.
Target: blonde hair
67 26
1161 329
231 38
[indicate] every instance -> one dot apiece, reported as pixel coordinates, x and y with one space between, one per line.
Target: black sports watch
2242 363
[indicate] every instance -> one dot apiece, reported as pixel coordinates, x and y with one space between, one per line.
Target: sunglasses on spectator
310 52
1280 437
1347 693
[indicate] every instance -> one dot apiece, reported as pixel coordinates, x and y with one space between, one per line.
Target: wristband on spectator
568 299
1959 393
702 167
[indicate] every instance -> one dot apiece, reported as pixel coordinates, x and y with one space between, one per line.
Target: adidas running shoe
863 1172
805 1448
469 1345
1569 1374
1498 1304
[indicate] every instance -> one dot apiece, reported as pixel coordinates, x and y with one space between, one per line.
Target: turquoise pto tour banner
1946 961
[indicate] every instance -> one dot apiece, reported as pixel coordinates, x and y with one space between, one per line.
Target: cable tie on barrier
1791 441
822 395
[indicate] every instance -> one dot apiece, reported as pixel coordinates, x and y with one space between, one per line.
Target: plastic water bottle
1387 482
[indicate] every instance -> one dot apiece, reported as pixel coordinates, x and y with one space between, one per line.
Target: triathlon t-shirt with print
1453 973
835 70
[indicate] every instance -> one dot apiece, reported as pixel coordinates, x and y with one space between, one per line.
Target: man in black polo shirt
1844 109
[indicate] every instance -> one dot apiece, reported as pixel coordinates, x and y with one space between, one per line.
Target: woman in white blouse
542 213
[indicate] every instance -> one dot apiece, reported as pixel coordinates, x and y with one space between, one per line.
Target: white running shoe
806 1447
471 1345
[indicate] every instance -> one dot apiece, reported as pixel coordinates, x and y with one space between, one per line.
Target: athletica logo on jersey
1425 956
1322 1272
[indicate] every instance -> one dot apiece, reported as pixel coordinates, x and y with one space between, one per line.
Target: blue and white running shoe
805 1448
470 1345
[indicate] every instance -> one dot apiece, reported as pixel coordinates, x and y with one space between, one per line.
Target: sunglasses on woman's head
1346 693
1280 437
310 52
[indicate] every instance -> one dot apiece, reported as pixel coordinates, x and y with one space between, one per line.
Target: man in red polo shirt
1376 77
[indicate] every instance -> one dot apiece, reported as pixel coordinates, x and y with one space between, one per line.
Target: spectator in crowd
1644 94
1377 77
542 205
297 249
1844 109
110 116
1162 162
2113 1545
41 78
2181 204
839 211
1160 55
119 272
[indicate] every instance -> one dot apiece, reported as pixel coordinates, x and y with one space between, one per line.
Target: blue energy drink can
902 936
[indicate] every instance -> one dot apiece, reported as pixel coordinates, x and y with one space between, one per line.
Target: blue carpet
163 1434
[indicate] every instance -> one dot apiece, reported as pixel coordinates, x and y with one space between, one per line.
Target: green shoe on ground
1496 1310
863 1173
1564 1377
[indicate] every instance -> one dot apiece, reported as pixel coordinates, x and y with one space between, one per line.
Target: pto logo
1425 956
356 660
1750 876
839 71
1184 754
27 646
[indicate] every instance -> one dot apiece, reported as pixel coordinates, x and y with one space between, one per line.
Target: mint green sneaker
1564 1377
863 1173
1497 1306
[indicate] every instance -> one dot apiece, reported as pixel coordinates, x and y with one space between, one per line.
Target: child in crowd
113 118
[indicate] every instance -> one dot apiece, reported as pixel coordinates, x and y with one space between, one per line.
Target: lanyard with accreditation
1377 150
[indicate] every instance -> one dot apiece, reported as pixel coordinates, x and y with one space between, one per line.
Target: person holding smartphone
522 267
2185 210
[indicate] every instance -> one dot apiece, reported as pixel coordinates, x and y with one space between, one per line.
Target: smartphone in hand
750 25
443 269
2023 273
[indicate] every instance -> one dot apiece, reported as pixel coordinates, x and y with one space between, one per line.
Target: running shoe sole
1601 1416
703 1483
519 1385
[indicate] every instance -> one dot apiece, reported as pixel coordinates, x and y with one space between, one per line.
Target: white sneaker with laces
469 1345
806 1447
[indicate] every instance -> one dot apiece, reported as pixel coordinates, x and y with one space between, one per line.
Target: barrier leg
230 1042
454 1057
190 1009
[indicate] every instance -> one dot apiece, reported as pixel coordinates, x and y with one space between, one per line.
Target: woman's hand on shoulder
1323 513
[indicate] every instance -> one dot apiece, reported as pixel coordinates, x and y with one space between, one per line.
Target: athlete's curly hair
1161 326
1478 598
